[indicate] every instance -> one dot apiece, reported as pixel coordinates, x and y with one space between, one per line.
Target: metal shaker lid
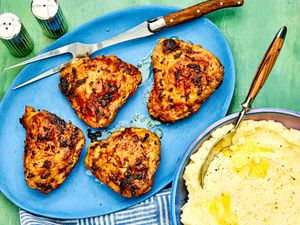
10 26
44 9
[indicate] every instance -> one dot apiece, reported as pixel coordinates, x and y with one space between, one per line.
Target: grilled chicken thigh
126 161
97 88
185 75
52 149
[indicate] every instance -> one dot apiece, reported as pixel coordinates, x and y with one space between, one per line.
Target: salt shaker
14 35
50 17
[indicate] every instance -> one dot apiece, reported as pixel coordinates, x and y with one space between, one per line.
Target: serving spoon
260 78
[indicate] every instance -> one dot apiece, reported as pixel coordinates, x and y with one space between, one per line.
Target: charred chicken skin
185 75
126 161
97 88
52 148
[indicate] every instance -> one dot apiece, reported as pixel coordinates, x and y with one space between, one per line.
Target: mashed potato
254 181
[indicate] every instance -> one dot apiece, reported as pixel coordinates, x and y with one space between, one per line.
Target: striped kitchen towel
153 211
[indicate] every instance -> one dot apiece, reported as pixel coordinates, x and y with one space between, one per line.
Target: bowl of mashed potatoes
254 180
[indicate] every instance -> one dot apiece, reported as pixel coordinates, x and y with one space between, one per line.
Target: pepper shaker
14 35
49 15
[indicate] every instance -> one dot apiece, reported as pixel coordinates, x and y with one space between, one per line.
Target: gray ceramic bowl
179 194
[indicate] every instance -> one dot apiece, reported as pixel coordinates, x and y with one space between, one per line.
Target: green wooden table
249 31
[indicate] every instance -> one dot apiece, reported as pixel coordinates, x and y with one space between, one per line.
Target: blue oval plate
81 195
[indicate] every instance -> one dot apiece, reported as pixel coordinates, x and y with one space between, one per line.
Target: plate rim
49 47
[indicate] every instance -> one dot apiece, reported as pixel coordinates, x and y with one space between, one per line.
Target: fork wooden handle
267 63
198 10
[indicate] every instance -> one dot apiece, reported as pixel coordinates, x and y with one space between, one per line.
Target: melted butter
158 133
145 67
221 210
140 120
252 167
250 160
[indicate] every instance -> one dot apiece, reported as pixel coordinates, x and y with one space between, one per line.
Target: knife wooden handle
198 10
267 63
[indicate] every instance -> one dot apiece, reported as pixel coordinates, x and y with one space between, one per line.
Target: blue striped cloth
153 211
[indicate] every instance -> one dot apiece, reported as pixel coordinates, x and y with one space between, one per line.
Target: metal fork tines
79 49
43 75
75 49
70 48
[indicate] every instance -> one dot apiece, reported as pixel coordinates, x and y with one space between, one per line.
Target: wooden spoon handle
267 63
198 10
